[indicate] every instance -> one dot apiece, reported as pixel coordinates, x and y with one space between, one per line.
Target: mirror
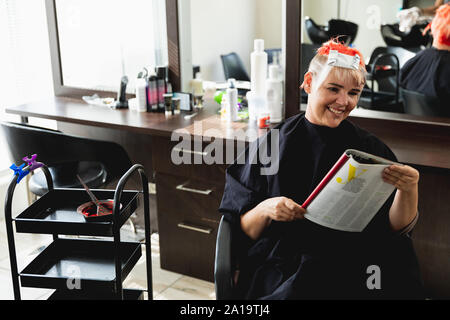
223 26
369 16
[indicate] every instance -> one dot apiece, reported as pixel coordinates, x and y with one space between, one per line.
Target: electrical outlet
151 188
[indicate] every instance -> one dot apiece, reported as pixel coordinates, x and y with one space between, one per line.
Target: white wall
222 26
268 22
369 15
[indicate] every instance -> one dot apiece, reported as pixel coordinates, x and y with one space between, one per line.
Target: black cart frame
26 222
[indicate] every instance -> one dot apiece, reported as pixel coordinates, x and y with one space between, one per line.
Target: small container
263 120
168 103
133 104
90 213
141 94
176 102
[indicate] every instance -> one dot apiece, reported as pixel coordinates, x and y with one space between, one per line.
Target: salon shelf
90 260
56 212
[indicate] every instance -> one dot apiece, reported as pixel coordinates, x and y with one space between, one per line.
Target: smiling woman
333 92
284 256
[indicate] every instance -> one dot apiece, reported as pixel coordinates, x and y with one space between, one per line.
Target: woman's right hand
281 209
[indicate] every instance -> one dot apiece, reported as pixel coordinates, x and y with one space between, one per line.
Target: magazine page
353 195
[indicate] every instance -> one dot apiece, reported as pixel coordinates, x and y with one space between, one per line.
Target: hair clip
19 171
32 163
340 55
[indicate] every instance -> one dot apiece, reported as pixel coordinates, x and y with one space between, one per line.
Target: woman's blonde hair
318 64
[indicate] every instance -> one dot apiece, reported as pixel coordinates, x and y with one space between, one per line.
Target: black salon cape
301 259
428 72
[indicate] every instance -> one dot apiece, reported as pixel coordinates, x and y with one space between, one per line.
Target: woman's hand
281 209
256 220
404 178
404 208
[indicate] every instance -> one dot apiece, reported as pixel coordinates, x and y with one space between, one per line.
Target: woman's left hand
403 177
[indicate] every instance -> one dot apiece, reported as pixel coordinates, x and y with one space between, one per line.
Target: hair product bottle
258 66
152 94
141 95
161 87
274 92
232 101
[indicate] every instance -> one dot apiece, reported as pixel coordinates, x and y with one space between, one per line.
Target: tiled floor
166 285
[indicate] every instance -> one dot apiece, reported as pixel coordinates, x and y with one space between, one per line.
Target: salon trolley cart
92 266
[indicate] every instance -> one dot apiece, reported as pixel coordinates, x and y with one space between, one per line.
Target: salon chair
392 36
233 67
345 30
98 163
384 69
224 264
422 105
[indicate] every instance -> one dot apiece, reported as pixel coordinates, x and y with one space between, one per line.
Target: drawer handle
194 228
183 188
202 153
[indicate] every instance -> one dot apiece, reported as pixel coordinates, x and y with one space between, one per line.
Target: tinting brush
101 210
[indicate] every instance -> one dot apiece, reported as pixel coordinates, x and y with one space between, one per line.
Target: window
24 59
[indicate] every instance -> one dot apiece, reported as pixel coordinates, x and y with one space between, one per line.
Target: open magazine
351 193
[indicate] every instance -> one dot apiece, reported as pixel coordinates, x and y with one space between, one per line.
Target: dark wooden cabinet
188 198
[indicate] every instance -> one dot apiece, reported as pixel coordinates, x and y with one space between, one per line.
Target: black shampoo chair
392 36
97 162
345 30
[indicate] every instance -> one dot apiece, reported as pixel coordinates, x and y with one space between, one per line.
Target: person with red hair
428 72
281 255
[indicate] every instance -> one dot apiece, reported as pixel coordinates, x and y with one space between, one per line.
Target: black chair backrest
419 104
55 148
383 56
271 54
308 51
233 67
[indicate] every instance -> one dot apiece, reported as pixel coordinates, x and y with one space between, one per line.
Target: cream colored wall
268 22
222 26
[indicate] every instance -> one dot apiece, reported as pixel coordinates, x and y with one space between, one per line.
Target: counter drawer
180 199
170 157
188 219
188 251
